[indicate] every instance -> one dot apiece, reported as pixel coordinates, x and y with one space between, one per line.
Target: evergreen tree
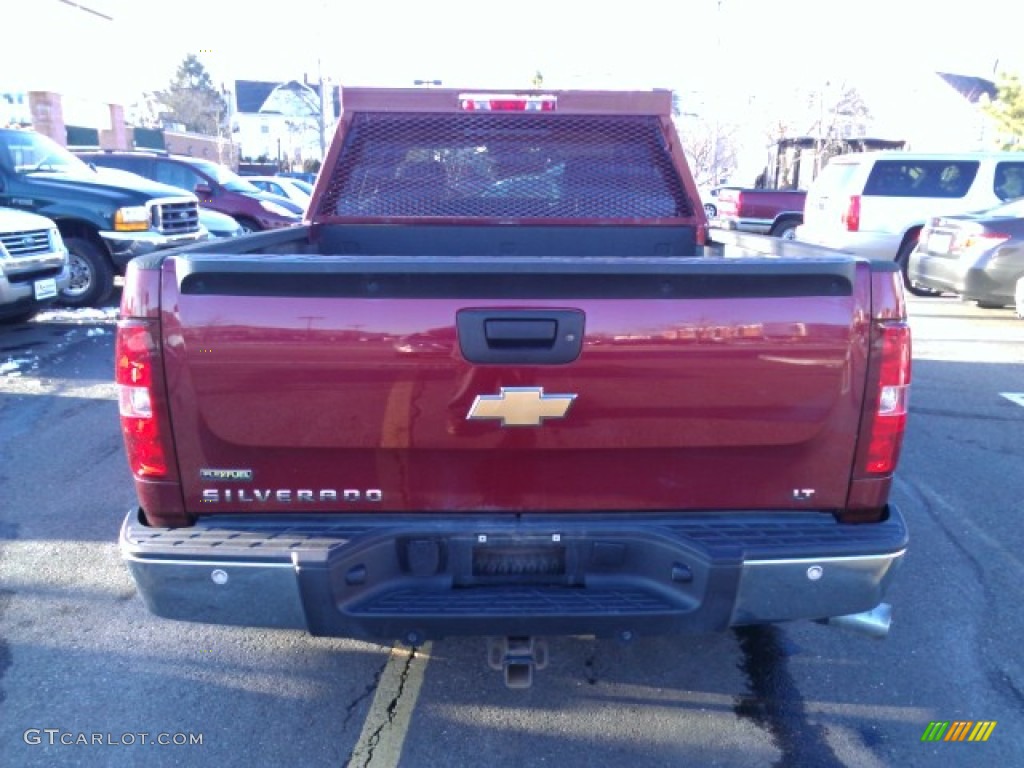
193 100
1008 112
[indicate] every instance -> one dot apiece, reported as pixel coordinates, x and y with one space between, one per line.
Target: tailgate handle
520 336
520 333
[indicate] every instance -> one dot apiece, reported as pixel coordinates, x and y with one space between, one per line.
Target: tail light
889 419
883 417
851 216
136 377
142 399
977 242
729 202
139 375
482 102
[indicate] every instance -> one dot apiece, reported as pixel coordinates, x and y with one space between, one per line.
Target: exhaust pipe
874 623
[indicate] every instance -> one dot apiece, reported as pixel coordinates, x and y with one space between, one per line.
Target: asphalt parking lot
89 678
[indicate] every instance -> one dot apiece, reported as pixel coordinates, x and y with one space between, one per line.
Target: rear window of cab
921 178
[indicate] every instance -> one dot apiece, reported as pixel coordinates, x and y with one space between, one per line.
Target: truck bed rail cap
653 102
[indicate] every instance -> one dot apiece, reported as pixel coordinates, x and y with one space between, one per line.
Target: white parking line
387 722
1014 397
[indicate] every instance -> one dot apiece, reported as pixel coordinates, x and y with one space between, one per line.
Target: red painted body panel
762 205
685 404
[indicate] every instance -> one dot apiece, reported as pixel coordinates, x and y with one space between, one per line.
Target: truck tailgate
309 384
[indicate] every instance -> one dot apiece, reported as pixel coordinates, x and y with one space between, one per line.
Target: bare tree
842 113
710 146
820 122
147 112
710 150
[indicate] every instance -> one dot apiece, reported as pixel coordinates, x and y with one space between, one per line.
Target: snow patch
13 366
79 315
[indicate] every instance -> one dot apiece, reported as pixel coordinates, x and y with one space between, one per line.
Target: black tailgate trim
517 279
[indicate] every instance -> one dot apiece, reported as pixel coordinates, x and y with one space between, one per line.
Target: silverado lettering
501 310
287 496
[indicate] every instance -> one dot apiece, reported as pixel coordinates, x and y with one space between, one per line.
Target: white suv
874 204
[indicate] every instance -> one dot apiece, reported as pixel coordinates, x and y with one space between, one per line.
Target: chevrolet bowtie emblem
520 406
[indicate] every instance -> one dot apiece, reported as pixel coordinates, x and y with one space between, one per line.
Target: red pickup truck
775 212
501 385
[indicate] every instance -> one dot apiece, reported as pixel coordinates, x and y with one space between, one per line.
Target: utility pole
323 111
714 125
228 135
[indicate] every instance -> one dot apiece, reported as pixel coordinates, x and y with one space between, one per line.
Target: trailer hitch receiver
518 657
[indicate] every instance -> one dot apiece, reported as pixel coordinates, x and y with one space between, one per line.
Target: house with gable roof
935 111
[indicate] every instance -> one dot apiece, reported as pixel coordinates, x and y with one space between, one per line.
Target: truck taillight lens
507 102
136 376
851 216
729 202
890 418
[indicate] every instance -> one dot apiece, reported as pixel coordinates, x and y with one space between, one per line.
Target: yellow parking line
387 722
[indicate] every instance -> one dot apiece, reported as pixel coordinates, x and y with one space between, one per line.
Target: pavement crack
1001 683
925 503
390 710
995 556
5 648
350 710
590 668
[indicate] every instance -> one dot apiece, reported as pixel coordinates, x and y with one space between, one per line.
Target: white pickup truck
33 264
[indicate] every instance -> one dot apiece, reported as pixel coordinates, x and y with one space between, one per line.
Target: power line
93 11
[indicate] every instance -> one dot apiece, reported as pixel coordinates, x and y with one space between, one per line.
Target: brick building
45 112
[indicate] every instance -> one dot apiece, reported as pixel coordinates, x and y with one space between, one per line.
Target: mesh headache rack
505 157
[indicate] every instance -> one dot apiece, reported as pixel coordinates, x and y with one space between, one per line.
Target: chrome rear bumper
413 579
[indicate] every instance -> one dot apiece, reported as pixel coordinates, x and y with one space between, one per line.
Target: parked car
977 255
305 186
1018 298
216 186
33 264
104 222
215 223
709 199
283 186
303 176
875 204
219 224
